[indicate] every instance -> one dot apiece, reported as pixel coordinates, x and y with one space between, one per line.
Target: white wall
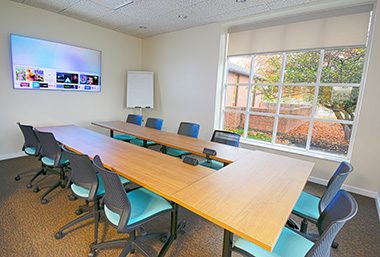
186 72
186 65
119 54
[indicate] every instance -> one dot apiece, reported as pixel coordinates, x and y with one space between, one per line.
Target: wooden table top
225 153
160 173
252 197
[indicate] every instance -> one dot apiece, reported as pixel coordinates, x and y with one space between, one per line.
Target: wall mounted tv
45 65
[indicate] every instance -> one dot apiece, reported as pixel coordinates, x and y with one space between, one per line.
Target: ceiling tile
51 5
86 10
160 16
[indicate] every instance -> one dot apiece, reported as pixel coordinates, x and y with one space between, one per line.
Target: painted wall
186 72
119 54
186 66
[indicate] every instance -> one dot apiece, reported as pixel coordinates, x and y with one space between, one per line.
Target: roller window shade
345 30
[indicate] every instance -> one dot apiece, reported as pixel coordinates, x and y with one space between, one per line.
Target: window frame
292 149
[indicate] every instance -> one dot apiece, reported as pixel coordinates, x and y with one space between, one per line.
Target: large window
302 100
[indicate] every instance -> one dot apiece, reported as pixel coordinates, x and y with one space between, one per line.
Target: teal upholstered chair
134 119
153 123
310 206
223 137
292 243
186 129
53 160
86 185
31 147
127 211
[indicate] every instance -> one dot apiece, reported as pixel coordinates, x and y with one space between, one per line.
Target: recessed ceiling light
143 27
113 4
182 16
241 1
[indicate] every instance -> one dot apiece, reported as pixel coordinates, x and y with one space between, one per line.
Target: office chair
310 206
292 243
53 160
127 211
31 147
86 185
153 123
134 119
223 137
186 129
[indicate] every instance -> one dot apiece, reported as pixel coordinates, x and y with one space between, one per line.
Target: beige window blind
344 30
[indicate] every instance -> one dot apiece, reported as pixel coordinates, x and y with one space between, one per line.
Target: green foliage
302 67
343 66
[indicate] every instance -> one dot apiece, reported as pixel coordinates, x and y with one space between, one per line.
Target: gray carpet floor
27 228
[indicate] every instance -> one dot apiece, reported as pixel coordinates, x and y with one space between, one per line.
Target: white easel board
140 89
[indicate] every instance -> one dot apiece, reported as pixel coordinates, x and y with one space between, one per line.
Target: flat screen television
45 65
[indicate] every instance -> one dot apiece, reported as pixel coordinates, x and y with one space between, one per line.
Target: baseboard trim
11 155
377 200
349 188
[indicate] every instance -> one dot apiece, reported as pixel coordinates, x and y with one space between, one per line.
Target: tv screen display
44 65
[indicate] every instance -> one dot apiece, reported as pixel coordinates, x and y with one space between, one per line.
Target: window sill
294 150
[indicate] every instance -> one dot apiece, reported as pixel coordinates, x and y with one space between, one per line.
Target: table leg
173 230
145 143
111 133
227 243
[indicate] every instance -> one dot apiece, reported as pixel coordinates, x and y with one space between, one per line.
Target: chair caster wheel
29 185
164 238
78 212
36 190
59 235
17 178
335 245
44 201
93 253
72 197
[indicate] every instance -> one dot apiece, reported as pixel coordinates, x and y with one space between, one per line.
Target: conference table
252 197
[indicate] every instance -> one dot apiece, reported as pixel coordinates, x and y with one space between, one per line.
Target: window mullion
315 100
247 109
275 125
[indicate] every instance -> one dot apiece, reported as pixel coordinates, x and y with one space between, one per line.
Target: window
304 100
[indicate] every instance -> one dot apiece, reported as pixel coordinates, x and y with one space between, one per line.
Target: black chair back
49 146
134 119
115 198
154 123
341 209
30 138
226 137
83 172
335 183
188 129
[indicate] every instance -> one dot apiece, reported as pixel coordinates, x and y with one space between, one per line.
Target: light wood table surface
251 198
225 153
157 172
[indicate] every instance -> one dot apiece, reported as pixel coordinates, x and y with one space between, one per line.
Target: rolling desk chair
310 206
223 137
186 129
154 123
292 243
53 160
128 211
134 119
31 147
86 185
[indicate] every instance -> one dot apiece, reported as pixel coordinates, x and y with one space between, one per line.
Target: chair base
61 183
